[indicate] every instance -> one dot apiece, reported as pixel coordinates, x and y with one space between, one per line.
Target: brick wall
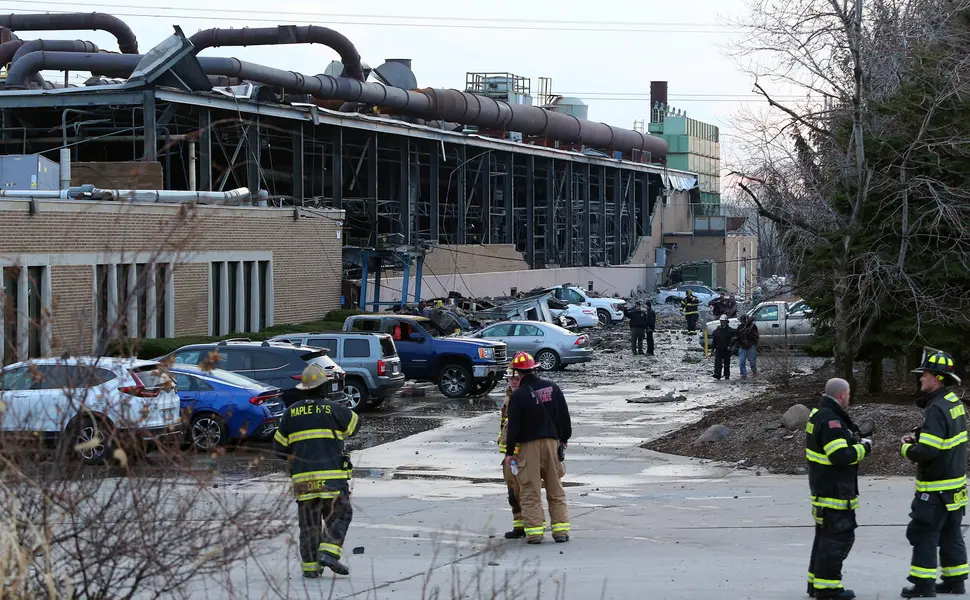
306 254
697 247
118 175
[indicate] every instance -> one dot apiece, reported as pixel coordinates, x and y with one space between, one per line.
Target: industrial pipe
236 196
127 42
429 104
55 45
284 34
64 194
8 49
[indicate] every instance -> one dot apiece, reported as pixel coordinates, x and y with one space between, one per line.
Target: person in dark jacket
651 327
939 449
311 438
723 339
691 307
539 426
834 449
638 328
747 346
717 305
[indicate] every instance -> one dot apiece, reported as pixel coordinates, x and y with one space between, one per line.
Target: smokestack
658 93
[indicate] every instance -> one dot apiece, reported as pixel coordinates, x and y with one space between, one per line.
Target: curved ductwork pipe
284 34
54 45
7 51
127 42
429 104
89 192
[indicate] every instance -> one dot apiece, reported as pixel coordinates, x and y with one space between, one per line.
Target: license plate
395 369
335 386
168 414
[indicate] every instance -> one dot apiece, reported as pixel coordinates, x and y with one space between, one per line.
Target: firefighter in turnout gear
834 450
311 438
538 429
691 307
939 449
518 528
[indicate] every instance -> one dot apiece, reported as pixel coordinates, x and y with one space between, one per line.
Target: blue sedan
222 406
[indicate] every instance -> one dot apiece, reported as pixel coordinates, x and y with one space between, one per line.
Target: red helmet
523 361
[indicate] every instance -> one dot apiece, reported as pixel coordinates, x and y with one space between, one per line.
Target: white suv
84 396
608 310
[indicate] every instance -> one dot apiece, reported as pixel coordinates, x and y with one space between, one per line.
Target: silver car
552 346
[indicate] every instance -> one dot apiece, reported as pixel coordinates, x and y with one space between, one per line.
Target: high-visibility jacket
690 305
833 451
503 430
311 437
940 451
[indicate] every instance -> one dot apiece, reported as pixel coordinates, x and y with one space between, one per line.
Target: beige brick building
76 273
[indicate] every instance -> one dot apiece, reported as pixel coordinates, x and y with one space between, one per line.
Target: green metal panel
702 273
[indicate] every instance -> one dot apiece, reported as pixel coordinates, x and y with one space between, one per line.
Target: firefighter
518 529
834 450
939 449
723 339
690 305
311 438
538 429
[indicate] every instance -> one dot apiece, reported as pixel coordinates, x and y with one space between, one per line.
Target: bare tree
837 171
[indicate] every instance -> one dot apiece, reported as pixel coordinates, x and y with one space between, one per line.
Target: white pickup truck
778 322
608 310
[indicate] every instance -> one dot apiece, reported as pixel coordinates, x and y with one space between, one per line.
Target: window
387 347
190 383
241 291
525 330
367 325
329 343
234 360
16 380
133 300
356 348
35 284
766 313
11 283
572 296
267 361
61 376
26 303
189 357
502 330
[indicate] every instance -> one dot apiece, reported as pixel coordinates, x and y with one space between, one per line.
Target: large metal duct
429 104
8 49
284 34
54 45
127 42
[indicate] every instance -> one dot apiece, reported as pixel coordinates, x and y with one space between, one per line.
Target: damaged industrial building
232 191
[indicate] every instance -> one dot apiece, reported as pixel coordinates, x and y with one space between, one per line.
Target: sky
606 52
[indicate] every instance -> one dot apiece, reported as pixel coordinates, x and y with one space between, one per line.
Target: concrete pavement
430 511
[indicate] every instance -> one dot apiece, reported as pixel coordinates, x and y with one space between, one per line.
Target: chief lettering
543 395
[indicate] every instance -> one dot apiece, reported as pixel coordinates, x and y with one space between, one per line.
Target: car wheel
89 441
455 381
356 393
208 432
548 360
570 322
604 316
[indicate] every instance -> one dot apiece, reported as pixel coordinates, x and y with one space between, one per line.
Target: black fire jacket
940 451
311 437
537 410
833 451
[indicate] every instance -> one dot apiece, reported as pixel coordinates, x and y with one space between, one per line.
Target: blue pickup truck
459 366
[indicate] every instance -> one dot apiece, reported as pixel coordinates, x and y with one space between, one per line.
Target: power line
430 22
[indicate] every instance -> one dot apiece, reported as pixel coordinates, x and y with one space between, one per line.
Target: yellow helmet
313 377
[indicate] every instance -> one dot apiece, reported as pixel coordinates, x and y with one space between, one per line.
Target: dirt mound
759 440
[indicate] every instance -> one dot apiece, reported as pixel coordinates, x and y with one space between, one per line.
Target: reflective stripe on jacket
311 437
833 454
940 451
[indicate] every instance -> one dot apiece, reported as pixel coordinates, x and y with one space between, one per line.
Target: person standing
834 450
691 307
311 438
747 346
939 449
729 307
717 305
540 427
518 529
722 340
651 326
638 328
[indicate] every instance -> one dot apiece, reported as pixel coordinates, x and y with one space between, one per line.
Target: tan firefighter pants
513 485
539 466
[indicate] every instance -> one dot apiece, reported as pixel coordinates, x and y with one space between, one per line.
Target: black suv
273 363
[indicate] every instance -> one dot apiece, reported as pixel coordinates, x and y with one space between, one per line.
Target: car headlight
486 353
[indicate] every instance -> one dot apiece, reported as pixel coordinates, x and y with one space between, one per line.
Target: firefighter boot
330 561
926 588
952 586
838 593
516 533
561 537
810 590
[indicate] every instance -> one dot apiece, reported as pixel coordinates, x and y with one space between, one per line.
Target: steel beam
551 184
298 181
373 211
46 99
601 192
205 150
435 189
253 146
337 168
570 188
151 132
485 183
530 210
460 207
508 185
584 224
617 215
166 117
406 212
